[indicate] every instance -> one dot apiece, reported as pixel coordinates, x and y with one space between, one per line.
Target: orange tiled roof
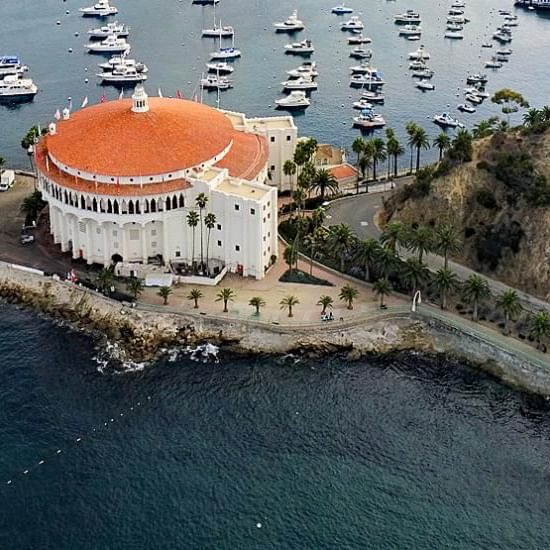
343 171
124 190
109 139
247 156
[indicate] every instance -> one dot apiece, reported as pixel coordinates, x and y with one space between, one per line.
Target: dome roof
109 139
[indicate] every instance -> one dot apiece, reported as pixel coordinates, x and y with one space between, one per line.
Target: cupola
140 100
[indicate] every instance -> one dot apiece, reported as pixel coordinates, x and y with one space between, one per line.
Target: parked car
27 239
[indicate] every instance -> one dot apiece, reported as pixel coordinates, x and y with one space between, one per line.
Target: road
359 212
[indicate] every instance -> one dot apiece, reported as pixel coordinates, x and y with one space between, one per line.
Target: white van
7 179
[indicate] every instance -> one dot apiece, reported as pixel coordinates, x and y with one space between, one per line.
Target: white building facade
121 178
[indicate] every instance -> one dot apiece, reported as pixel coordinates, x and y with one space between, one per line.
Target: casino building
121 178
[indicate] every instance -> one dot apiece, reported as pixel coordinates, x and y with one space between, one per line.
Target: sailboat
226 53
218 30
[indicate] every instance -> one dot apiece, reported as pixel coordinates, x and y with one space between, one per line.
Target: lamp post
417 299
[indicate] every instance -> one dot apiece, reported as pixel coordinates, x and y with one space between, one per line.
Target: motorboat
473 98
465 108
101 9
218 31
13 88
417 65
504 51
504 12
510 24
457 19
220 68
476 78
486 45
361 53
425 86
122 74
297 99
493 63
502 37
454 27
354 24
424 74
413 37
359 39
373 96
369 79
115 28
122 60
307 68
456 11
445 120
292 24
341 9
226 53
300 83
410 30
362 104
305 47
11 64
510 17
421 53
458 4
454 35
362 68
111 44
205 2
369 120
480 92
215 82
410 16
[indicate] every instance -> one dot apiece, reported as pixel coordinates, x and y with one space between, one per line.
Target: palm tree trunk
311 252
381 301
445 259
506 320
474 314
412 150
417 158
290 311
207 249
389 167
440 153
374 170
225 306
202 258
367 272
342 263
443 299
395 166
193 250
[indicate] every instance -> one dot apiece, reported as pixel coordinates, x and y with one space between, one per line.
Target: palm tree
289 302
447 241
539 327
393 235
104 280
135 287
225 295
325 301
390 138
414 274
483 129
395 150
201 201
195 294
299 197
475 290
508 302
411 128
446 282
358 147
386 262
257 302
365 163
164 292
382 288
32 205
318 217
545 113
378 148
210 223
366 253
324 181
192 222
442 142
340 240
421 240
347 294
2 164
289 169
290 256
532 117
311 243
420 140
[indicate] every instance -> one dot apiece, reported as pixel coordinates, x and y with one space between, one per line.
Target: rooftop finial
140 100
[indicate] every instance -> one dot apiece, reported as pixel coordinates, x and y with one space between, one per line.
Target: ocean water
166 35
401 452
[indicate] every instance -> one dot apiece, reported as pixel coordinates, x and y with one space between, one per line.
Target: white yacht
480 92
408 17
410 30
292 24
417 65
456 11
307 68
373 96
101 9
457 19
354 24
358 39
504 51
445 120
362 104
11 64
502 37
305 47
486 45
458 4
369 120
220 68
215 82
110 44
116 28
362 68
219 31
454 35
493 63
341 9
122 74
424 74
421 53
14 88
476 78
297 99
425 86
122 60
454 27
300 83
226 53
473 98
465 108
361 53
370 79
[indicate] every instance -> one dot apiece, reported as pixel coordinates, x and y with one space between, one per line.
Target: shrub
486 198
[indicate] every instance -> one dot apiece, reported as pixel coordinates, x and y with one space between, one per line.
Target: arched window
181 201
109 207
124 207
174 202
66 198
138 208
115 207
168 204
94 205
102 205
146 211
153 205
131 207
82 202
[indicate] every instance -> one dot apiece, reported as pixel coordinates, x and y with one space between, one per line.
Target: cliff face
500 202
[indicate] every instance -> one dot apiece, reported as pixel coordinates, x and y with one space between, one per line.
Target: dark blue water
388 454
166 35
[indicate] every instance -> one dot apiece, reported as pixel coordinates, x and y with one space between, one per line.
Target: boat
476 78
473 98
410 30
457 19
458 4
373 96
205 2
307 68
493 63
480 92
454 27
292 24
361 53
369 79
305 47
297 99
417 65
115 28
421 53
118 60
101 9
300 83
11 64
362 68
510 24
456 11
424 74
220 68
410 16
465 108
218 31
13 88
504 51
362 104
226 53
504 12
502 37
110 44
122 74
354 24
454 35
413 37
369 120
341 9
359 39
425 86
486 45
445 120
215 82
